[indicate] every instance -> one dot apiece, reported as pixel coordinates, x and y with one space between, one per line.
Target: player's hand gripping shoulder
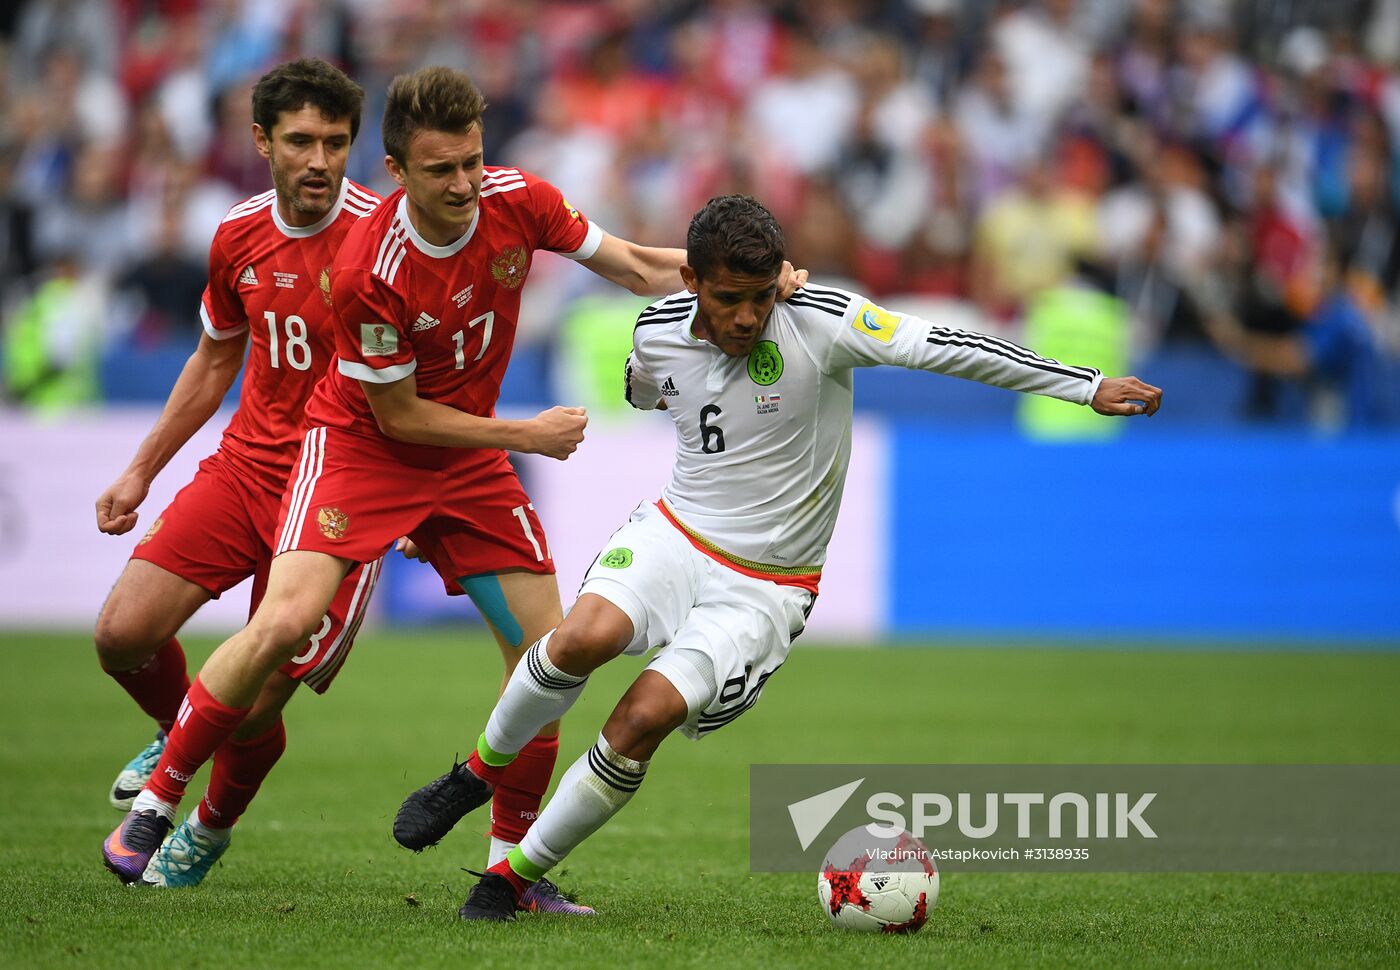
790 280
116 507
652 271
556 433
1126 396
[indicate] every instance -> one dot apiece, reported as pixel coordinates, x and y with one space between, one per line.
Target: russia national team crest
332 521
508 269
151 532
325 282
765 363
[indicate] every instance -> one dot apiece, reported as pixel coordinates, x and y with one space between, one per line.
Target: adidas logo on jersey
668 389
248 277
425 322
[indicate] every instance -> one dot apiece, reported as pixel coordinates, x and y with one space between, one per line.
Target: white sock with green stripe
592 791
538 692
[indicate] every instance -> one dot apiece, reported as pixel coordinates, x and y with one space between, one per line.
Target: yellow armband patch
875 323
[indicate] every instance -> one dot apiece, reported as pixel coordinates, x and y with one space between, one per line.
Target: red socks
201 726
491 774
159 684
503 868
520 788
239 770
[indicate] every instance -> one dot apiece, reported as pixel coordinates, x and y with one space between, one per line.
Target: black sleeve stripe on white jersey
824 293
1024 353
676 317
666 306
1036 362
831 301
665 311
825 308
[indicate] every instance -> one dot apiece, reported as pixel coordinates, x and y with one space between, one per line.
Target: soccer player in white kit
718 576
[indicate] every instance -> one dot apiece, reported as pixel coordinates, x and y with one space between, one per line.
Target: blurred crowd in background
1111 179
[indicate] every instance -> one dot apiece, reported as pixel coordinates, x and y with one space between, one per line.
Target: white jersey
763 442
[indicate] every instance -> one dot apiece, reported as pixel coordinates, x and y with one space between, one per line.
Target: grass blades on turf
314 879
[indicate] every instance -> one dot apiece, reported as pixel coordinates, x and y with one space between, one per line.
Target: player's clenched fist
116 507
558 431
1126 396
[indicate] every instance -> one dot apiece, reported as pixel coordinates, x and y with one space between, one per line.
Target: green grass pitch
314 879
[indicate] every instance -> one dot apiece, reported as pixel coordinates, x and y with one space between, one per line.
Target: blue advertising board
1242 538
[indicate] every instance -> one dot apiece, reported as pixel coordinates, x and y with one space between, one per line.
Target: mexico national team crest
508 269
325 282
765 363
151 532
332 521
619 558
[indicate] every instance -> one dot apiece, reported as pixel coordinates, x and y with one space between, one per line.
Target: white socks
538 692
592 791
499 850
145 800
208 833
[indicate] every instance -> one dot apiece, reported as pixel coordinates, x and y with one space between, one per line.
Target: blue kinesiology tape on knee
485 591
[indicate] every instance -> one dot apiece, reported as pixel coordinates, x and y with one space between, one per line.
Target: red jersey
446 314
273 279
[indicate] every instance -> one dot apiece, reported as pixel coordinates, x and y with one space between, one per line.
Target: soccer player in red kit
268 284
402 436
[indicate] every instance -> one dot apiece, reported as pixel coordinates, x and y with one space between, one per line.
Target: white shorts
719 634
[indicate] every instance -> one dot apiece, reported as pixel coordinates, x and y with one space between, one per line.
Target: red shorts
218 531
352 495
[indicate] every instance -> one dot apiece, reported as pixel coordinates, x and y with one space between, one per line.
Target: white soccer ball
878 885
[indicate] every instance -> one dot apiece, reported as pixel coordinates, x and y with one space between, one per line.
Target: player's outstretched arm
863 335
1126 396
650 271
643 270
201 387
404 416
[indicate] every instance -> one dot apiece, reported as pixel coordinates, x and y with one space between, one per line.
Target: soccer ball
878 884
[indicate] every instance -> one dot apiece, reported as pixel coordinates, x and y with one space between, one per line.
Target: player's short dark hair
431 98
735 232
308 80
